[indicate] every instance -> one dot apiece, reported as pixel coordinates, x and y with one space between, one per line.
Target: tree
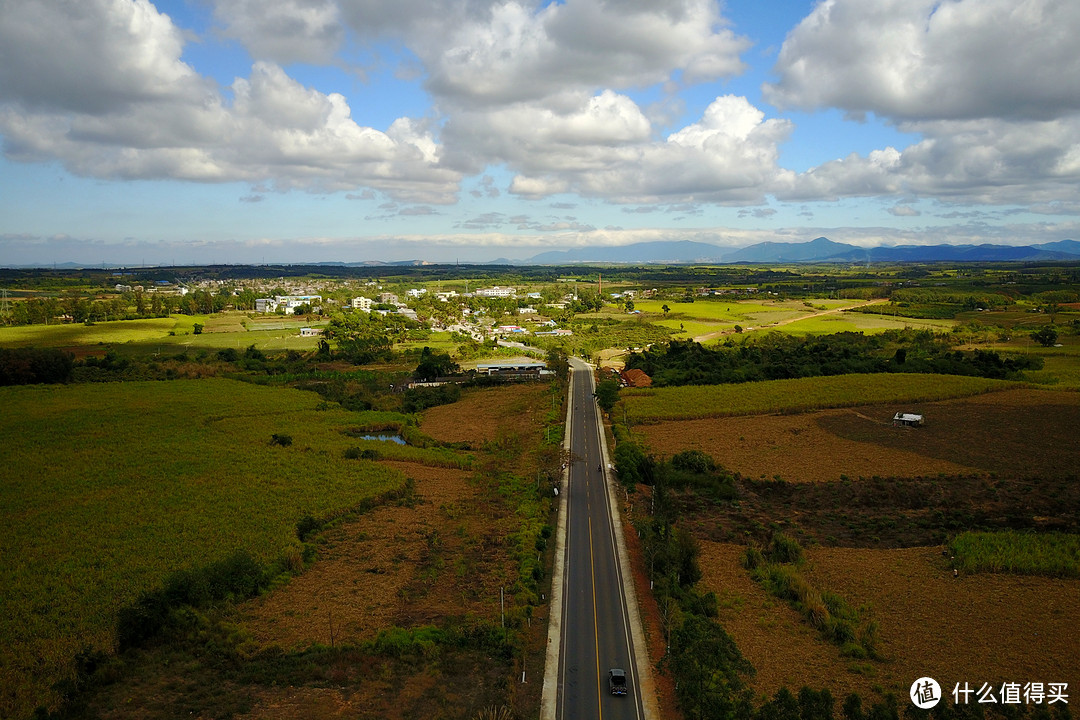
359 338
196 329
1045 336
557 363
665 308
607 394
629 306
435 364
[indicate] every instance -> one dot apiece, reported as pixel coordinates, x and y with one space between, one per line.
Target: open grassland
975 629
166 335
797 395
1061 365
1050 554
110 487
714 319
859 322
1019 432
70 335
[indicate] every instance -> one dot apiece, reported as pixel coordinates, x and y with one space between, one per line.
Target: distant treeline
777 356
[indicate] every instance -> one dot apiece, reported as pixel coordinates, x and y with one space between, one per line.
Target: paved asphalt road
595 622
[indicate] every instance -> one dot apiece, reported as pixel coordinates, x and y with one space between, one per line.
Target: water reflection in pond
387 438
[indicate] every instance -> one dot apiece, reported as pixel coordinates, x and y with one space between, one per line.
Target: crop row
688 402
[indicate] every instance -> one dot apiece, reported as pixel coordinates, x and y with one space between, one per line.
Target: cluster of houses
287 303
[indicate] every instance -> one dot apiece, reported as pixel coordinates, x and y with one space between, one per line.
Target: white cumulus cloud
934 59
284 31
140 112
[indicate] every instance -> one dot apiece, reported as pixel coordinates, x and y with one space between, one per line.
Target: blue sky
199 131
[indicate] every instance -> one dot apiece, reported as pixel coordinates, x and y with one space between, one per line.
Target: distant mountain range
659 252
684 252
819 249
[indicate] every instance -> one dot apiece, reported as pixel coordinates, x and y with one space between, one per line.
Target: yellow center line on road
596 631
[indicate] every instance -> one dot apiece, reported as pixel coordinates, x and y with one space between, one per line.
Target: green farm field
710 320
113 486
126 331
797 395
152 335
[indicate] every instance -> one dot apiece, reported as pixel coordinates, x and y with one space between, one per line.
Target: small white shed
902 419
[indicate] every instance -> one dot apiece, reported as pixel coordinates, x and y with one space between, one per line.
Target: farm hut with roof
903 419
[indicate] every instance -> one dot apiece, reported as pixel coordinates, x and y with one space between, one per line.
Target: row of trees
777 356
76 307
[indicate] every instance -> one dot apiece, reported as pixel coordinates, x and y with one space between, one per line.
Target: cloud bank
989 89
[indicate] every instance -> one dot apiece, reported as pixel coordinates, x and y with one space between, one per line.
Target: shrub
306 527
236 577
783 549
422 398
282 440
693 461
632 465
752 558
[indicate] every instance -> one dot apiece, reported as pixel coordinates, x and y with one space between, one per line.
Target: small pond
386 438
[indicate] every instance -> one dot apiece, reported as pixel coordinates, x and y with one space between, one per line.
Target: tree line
777 356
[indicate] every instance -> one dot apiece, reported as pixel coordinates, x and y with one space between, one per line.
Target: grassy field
113 486
1050 554
797 395
706 319
125 331
860 322
408 595
166 335
1061 365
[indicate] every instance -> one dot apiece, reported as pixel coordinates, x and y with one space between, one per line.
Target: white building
416 292
361 303
287 303
496 292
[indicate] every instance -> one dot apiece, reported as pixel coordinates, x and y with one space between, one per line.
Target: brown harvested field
1020 432
401 565
488 414
975 629
441 555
